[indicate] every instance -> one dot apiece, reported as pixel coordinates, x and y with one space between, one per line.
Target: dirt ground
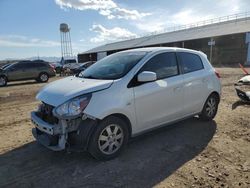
187 154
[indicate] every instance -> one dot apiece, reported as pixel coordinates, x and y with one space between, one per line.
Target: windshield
4 66
114 66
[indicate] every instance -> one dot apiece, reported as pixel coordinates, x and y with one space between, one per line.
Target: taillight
217 74
52 66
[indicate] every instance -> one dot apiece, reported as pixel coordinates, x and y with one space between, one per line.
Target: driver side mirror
146 76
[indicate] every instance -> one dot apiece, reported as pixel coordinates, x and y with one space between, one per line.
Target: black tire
210 108
96 142
3 81
43 77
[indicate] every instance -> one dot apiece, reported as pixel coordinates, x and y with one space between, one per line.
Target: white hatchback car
123 95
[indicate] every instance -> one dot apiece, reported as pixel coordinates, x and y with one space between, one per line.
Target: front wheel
3 81
210 108
110 136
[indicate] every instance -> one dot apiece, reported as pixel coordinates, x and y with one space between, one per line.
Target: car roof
38 60
23 61
170 49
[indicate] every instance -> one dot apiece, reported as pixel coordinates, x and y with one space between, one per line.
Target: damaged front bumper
44 126
68 134
243 95
243 91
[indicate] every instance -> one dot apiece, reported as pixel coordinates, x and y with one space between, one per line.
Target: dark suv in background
26 70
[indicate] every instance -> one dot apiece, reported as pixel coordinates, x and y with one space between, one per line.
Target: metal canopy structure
239 23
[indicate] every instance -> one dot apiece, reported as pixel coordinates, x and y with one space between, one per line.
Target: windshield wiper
90 77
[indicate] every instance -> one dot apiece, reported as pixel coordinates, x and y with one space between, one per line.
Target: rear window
190 62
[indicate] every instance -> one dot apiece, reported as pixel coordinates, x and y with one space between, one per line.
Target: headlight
73 107
40 107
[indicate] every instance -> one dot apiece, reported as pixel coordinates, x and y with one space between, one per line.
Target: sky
30 28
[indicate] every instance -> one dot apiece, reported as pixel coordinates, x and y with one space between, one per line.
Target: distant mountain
49 59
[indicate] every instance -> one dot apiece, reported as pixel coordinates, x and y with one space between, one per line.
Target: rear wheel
110 136
210 108
43 77
3 81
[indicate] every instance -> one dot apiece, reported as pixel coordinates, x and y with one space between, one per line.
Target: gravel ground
190 153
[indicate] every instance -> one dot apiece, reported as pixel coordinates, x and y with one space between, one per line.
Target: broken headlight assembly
72 108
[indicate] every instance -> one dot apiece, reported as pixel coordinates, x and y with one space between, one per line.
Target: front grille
46 114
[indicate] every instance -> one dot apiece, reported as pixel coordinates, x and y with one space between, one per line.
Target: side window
43 65
29 65
164 65
190 62
20 66
39 65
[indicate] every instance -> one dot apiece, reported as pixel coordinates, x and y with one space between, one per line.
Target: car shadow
240 103
147 160
11 84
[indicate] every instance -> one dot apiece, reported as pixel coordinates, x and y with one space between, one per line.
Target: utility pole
248 48
211 43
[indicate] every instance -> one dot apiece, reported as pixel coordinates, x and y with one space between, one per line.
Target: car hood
62 90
